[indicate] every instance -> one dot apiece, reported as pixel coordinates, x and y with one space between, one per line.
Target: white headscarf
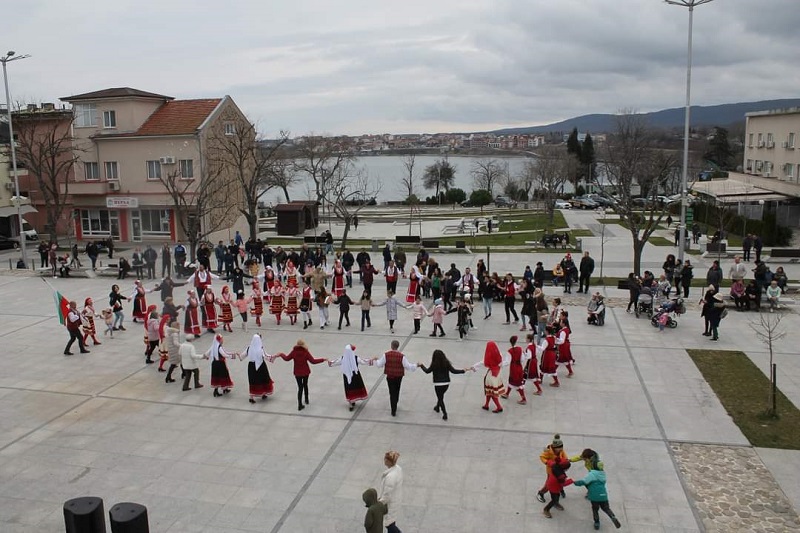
216 346
349 363
255 352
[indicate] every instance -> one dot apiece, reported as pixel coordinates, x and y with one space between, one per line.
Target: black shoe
149 361
444 416
706 334
310 323
307 402
252 400
540 497
394 413
616 522
68 353
217 393
563 494
186 388
300 406
85 351
169 380
122 329
436 408
431 335
352 406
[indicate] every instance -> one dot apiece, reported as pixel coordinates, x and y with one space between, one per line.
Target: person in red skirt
257 372
140 301
532 366
220 377
225 302
191 322
562 341
338 279
516 371
492 381
306 303
292 303
276 301
209 302
258 303
291 275
88 314
163 350
301 358
354 389
414 278
549 351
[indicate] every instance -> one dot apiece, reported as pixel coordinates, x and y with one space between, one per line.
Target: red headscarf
492 358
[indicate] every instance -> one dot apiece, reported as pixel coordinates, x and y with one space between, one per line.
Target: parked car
6 243
603 201
584 202
504 201
562 204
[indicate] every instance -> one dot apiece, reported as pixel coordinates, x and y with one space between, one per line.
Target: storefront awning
11 210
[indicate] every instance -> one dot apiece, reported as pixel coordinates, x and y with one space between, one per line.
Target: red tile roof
115 92
179 117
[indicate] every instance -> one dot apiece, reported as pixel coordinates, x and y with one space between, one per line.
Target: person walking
301 357
556 481
595 483
354 388
258 377
373 520
510 294
441 367
716 315
395 365
707 303
73 323
586 268
391 491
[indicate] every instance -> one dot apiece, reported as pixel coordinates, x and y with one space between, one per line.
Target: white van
28 231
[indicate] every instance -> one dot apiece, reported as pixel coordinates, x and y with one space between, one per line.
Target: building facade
130 142
771 145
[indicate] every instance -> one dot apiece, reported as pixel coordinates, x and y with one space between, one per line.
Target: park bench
454 228
407 239
429 243
314 239
785 253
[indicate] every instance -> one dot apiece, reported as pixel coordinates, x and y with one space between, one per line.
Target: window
112 171
760 139
155 222
789 170
767 168
154 170
187 168
85 115
92 171
109 119
749 165
230 128
750 141
790 141
759 165
100 222
769 137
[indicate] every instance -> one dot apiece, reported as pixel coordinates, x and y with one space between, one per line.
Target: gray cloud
360 66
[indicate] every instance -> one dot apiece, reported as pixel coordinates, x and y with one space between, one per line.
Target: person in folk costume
301 358
414 278
225 303
276 301
549 353
492 381
191 322
140 301
562 342
338 279
209 302
258 377
269 281
391 274
151 335
291 275
172 342
201 280
532 366
354 389
306 303
516 370
89 328
163 350
220 377
395 364
323 302
258 305
292 302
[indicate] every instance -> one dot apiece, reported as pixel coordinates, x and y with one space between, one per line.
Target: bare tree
282 174
634 166
768 331
46 148
201 206
407 182
348 191
526 179
321 158
551 172
486 173
249 162
439 176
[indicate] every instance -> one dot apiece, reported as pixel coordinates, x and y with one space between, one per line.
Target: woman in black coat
686 277
441 368
707 303
634 288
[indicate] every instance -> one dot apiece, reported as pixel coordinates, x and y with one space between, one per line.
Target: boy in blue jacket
595 483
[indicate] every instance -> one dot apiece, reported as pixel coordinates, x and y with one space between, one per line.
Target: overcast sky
358 66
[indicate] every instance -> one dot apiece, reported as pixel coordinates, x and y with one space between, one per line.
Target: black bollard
127 517
84 515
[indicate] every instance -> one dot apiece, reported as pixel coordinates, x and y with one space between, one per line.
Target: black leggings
554 497
440 390
439 327
302 388
510 309
344 315
606 509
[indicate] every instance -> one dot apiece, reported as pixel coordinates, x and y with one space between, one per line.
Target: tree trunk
345 232
638 247
286 194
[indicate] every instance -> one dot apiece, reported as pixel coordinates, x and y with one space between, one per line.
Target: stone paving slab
784 465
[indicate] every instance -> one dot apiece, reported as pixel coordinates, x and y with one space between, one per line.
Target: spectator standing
747 245
686 277
180 254
137 262
586 269
391 491
92 252
219 254
738 271
714 275
43 250
166 260
110 247
757 245
150 257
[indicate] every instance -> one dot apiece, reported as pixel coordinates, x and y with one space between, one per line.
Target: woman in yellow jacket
554 451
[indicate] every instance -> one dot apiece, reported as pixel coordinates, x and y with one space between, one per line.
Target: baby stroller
644 304
672 308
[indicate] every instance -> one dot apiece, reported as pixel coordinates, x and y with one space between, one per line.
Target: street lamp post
684 174
11 56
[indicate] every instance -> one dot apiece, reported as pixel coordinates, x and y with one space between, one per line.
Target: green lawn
655 240
744 391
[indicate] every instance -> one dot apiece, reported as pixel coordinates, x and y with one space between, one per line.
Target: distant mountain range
715 115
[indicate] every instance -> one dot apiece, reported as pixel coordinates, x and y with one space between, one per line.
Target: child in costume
562 342
258 305
549 351
276 302
532 367
516 371
492 381
191 322
209 303
225 303
292 303
88 315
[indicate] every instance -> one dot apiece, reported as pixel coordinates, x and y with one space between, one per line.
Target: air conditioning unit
9 186
771 144
113 185
167 160
785 144
761 144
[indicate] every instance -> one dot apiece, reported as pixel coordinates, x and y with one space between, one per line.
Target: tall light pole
11 56
685 173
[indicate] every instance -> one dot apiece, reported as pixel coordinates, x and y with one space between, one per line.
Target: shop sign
121 202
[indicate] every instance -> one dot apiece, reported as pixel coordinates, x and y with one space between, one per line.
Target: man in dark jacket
362 258
714 275
219 254
747 245
568 266
586 268
150 257
757 245
387 256
538 275
347 263
368 277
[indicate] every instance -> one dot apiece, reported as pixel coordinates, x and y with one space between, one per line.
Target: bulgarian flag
62 307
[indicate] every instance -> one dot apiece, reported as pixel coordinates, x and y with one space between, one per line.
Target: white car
562 204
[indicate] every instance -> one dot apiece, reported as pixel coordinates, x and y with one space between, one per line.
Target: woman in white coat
391 492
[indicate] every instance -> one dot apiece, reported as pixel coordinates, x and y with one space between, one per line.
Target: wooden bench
430 244
311 239
407 239
785 252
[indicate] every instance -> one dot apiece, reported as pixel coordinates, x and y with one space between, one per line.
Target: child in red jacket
556 481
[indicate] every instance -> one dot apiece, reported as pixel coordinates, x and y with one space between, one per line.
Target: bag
723 314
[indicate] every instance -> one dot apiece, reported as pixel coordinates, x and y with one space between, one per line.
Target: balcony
87 188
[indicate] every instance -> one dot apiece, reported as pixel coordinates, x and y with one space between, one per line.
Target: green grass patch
655 240
744 391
